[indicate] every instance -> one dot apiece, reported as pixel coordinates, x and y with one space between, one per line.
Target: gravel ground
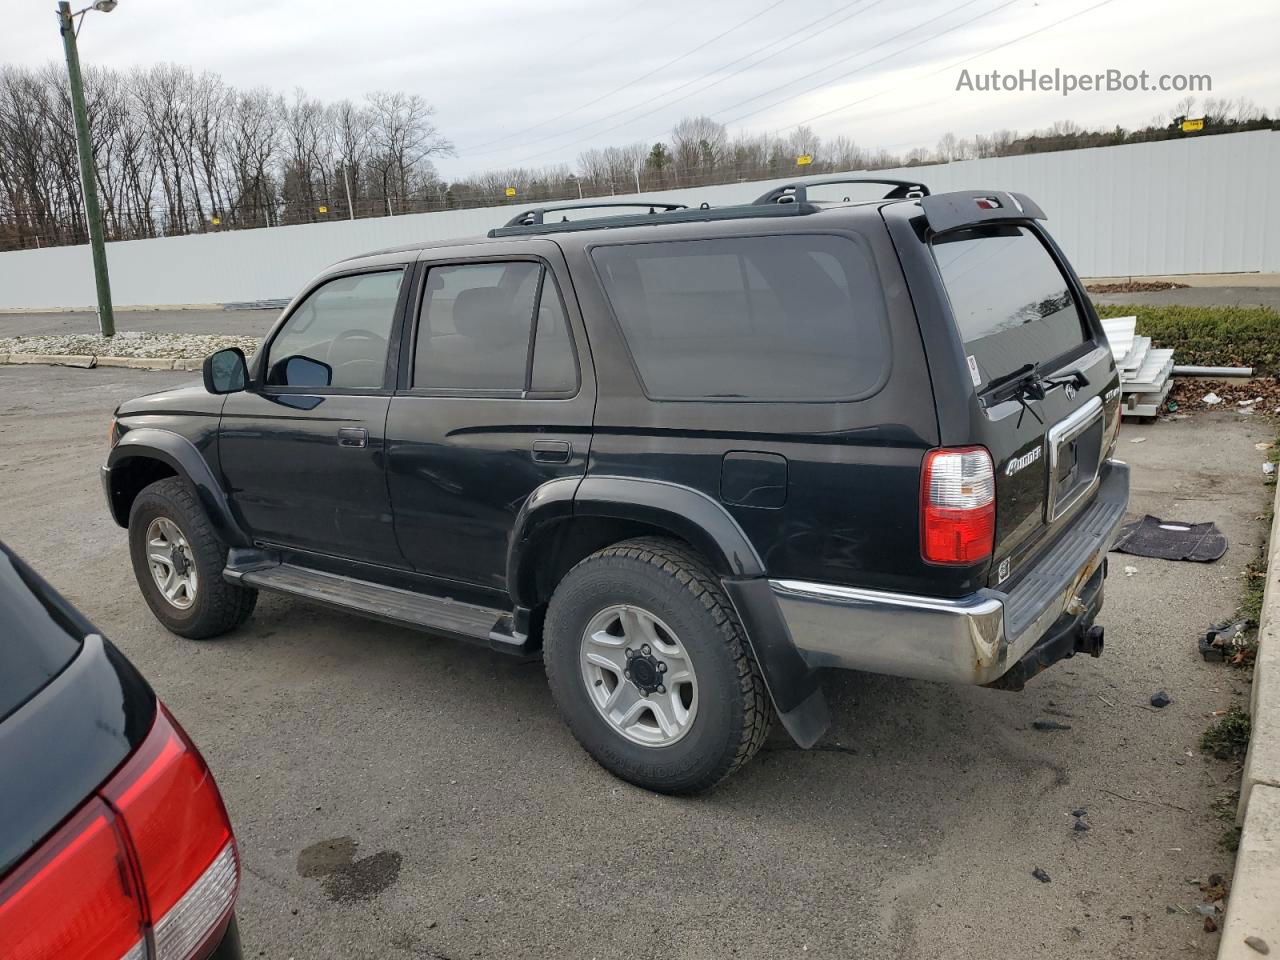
129 343
249 323
398 796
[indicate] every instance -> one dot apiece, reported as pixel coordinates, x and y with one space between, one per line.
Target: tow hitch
1073 632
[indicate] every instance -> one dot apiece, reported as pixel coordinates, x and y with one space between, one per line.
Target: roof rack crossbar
684 215
537 215
798 192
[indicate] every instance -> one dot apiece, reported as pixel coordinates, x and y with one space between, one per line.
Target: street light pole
106 317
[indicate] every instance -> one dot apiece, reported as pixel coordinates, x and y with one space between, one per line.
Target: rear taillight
160 835
957 506
76 896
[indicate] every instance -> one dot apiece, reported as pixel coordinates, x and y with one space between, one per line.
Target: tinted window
759 318
554 368
1010 300
474 329
338 335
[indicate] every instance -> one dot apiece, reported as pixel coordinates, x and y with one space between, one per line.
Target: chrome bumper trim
960 641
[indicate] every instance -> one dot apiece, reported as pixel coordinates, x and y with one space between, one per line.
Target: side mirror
226 371
300 371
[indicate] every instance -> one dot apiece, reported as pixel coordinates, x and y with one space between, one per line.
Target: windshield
1011 302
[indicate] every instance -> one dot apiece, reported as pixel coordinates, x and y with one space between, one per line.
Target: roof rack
537 215
798 192
681 215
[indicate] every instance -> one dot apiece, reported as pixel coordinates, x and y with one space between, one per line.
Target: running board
466 621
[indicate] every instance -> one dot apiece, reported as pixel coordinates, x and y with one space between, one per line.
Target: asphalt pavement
398 796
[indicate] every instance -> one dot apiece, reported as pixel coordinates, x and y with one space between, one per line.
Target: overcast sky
533 83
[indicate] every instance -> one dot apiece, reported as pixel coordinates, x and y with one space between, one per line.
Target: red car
114 841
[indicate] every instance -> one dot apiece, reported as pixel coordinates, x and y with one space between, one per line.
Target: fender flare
688 513
186 460
705 524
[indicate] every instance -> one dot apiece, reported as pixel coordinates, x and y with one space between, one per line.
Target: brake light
957 506
75 897
160 834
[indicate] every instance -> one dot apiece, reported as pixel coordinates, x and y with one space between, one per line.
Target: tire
208 606
667 594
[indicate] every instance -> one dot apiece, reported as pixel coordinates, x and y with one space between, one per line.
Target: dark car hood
187 398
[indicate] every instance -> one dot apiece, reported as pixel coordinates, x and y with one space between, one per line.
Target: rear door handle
353 437
551 451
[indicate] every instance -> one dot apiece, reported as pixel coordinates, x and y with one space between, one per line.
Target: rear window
795 317
36 641
1010 300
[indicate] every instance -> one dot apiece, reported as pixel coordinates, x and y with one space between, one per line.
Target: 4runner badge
1018 463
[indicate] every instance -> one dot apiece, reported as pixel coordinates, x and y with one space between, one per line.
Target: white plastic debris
1268 468
1248 403
1138 440
1211 399
1130 571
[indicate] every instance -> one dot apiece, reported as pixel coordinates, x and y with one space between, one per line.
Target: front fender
181 455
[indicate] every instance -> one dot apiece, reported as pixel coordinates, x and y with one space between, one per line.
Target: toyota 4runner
687 456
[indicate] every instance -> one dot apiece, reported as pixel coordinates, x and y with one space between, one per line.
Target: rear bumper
974 639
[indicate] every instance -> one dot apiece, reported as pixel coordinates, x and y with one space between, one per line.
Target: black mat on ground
1171 540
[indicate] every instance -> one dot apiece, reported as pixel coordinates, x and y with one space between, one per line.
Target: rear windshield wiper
1027 383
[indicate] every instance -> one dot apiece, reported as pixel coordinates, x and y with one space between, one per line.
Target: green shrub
1210 336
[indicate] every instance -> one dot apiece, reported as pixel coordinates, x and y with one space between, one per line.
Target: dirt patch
1189 394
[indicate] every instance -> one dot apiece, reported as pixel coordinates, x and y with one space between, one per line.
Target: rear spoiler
972 208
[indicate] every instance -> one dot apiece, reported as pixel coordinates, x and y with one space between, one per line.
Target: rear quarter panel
850 514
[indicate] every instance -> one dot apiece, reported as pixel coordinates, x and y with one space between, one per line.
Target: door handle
551 451
353 437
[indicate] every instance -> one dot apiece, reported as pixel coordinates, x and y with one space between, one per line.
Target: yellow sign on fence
511 191
804 160
216 221
1192 126
323 208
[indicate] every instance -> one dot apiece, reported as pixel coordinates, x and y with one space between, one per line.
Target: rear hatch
1045 392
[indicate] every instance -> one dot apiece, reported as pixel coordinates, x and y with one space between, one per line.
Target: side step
465 621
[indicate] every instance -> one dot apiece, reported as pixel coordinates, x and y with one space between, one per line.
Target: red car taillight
957 506
146 871
76 896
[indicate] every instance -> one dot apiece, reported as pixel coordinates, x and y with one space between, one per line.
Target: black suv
691 456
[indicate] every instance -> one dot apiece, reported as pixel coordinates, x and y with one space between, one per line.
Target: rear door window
493 328
795 317
1011 303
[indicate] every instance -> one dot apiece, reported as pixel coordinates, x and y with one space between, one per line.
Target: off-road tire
666 578
219 606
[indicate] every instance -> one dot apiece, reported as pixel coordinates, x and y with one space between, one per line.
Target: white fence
1202 205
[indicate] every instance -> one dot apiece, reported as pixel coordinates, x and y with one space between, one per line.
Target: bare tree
404 140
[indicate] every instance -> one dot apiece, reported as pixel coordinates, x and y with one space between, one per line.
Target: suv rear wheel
649 667
178 559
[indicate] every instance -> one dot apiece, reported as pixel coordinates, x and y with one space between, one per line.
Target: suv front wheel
178 559
650 669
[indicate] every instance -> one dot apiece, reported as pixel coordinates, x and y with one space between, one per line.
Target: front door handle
353 437
551 451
